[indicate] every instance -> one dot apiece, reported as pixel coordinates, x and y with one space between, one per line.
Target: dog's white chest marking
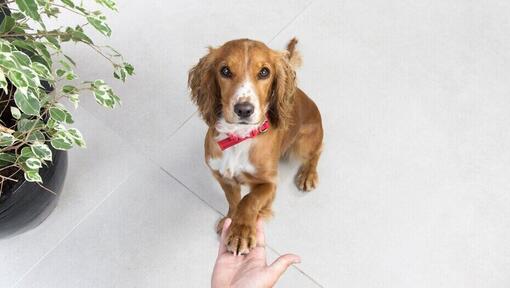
234 161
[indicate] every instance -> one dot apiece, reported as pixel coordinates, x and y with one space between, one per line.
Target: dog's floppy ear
282 94
205 92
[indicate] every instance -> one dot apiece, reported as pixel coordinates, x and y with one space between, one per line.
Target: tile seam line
221 214
182 125
71 231
291 21
189 190
298 269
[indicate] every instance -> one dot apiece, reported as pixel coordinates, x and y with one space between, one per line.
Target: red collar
233 139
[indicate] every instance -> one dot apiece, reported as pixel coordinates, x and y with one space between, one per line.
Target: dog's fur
296 128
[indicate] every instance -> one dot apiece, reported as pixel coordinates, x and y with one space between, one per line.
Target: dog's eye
225 72
263 73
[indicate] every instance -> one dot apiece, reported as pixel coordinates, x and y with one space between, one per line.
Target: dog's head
242 81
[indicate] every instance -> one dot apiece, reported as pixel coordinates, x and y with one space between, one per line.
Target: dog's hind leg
308 148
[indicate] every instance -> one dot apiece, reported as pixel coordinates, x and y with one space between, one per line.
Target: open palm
249 270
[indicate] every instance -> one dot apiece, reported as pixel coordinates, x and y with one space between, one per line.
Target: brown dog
247 94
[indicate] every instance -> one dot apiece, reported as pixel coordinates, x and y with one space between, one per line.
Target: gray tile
414 145
151 232
93 173
163 45
414 179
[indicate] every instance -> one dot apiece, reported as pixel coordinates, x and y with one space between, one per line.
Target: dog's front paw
241 238
307 179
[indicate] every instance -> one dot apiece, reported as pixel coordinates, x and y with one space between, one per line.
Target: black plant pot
27 203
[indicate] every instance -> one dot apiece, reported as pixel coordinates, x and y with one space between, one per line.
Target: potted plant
36 80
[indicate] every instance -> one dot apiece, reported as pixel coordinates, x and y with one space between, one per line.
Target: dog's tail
294 56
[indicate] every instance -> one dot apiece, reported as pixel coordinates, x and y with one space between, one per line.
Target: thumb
282 263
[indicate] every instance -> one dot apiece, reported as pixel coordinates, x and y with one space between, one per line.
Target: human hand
250 270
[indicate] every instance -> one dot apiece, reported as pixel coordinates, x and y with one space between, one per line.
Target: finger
224 230
261 238
282 263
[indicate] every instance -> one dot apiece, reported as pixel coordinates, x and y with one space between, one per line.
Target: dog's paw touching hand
241 238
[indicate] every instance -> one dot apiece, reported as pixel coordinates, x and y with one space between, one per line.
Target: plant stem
47 189
69 9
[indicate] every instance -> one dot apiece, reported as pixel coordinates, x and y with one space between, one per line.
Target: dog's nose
244 110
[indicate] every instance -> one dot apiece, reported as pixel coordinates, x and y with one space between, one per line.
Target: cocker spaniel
247 95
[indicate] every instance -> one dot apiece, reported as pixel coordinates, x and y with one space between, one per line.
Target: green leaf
6 139
42 151
77 137
27 102
7 24
69 89
75 99
68 3
15 112
18 16
32 77
53 40
129 68
81 9
44 53
57 126
61 72
57 114
60 114
24 45
51 11
66 66
120 73
18 79
104 94
33 163
8 60
25 125
33 176
79 36
104 99
108 3
5 46
71 93
71 76
26 153
100 25
70 60
61 143
6 159
42 71
123 70
23 77
36 136
29 8
22 58
66 71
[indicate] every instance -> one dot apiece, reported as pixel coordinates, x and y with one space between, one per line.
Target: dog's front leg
242 233
232 192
